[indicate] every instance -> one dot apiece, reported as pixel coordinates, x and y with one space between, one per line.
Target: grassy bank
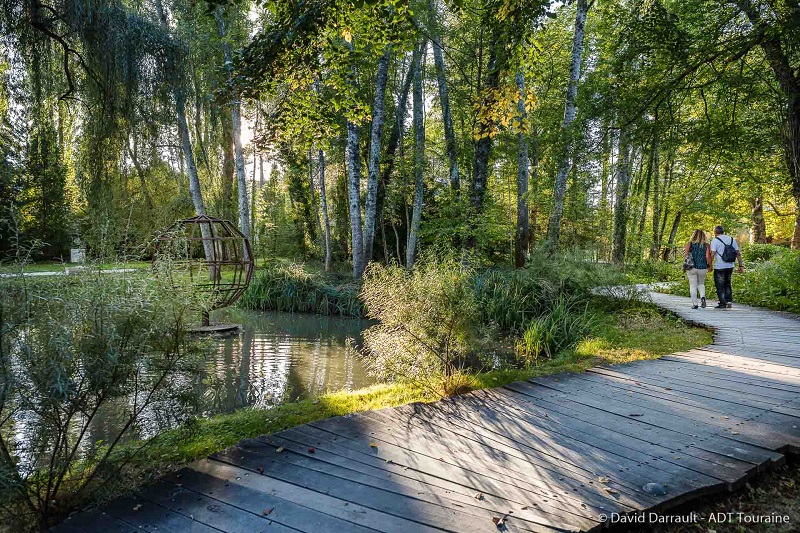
305 288
622 336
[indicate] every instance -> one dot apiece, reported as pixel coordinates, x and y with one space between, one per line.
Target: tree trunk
236 125
570 112
647 183
325 220
655 246
419 159
396 136
354 192
483 146
241 179
758 228
621 202
373 165
523 163
534 180
788 80
444 98
673 232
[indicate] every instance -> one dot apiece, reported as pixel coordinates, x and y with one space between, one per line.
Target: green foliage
425 323
292 288
558 329
753 252
71 354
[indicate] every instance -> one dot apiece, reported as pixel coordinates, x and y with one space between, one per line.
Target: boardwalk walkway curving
551 454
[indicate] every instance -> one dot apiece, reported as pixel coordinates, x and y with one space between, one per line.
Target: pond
274 358
279 357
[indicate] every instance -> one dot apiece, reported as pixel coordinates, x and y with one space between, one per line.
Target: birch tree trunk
324 201
444 97
570 112
657 207
236 123
353 163
523 163
419 160
621 201
373 167
396 136
673 232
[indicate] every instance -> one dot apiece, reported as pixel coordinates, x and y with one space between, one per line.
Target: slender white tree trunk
324 201
444 97
236 120
419 159
570 112
373 169
523 174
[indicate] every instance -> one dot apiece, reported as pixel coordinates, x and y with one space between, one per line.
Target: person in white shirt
723 270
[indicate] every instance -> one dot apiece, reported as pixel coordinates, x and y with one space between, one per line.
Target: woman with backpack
696 261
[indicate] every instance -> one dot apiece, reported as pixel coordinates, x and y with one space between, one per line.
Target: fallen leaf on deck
137 506
389 461
478 496
611 491
373 445
498 521
279 450
602 479
265 512
311 449
636 414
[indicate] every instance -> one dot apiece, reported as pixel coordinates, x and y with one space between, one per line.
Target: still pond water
279 357
274 358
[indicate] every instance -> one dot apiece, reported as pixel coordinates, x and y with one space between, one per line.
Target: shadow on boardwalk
551 454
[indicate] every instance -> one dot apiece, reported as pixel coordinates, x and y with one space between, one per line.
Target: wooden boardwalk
552 454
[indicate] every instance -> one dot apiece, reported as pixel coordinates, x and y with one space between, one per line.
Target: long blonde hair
699 237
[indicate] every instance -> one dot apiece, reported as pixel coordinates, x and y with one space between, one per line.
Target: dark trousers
722 281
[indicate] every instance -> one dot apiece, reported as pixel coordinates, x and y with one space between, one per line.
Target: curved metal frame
229 250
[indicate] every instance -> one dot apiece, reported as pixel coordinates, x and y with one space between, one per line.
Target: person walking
697 248
724 255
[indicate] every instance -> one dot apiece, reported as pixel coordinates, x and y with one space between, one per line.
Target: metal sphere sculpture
215 256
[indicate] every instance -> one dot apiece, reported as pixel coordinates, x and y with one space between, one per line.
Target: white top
718 246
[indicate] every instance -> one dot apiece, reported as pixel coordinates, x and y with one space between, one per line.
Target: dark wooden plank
459 438
319 501
446 492
294 454
147 515
549 484
287 513
619 462
209 511
665 447
404 506
435 471
94 520
736 428
697 433
711 398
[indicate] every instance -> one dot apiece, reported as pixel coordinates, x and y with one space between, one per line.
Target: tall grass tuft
292 288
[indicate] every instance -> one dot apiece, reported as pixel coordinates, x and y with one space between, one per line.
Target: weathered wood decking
551 454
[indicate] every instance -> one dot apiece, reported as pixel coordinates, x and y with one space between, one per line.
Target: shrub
560 328
753 252
426 319
72 353
291 288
